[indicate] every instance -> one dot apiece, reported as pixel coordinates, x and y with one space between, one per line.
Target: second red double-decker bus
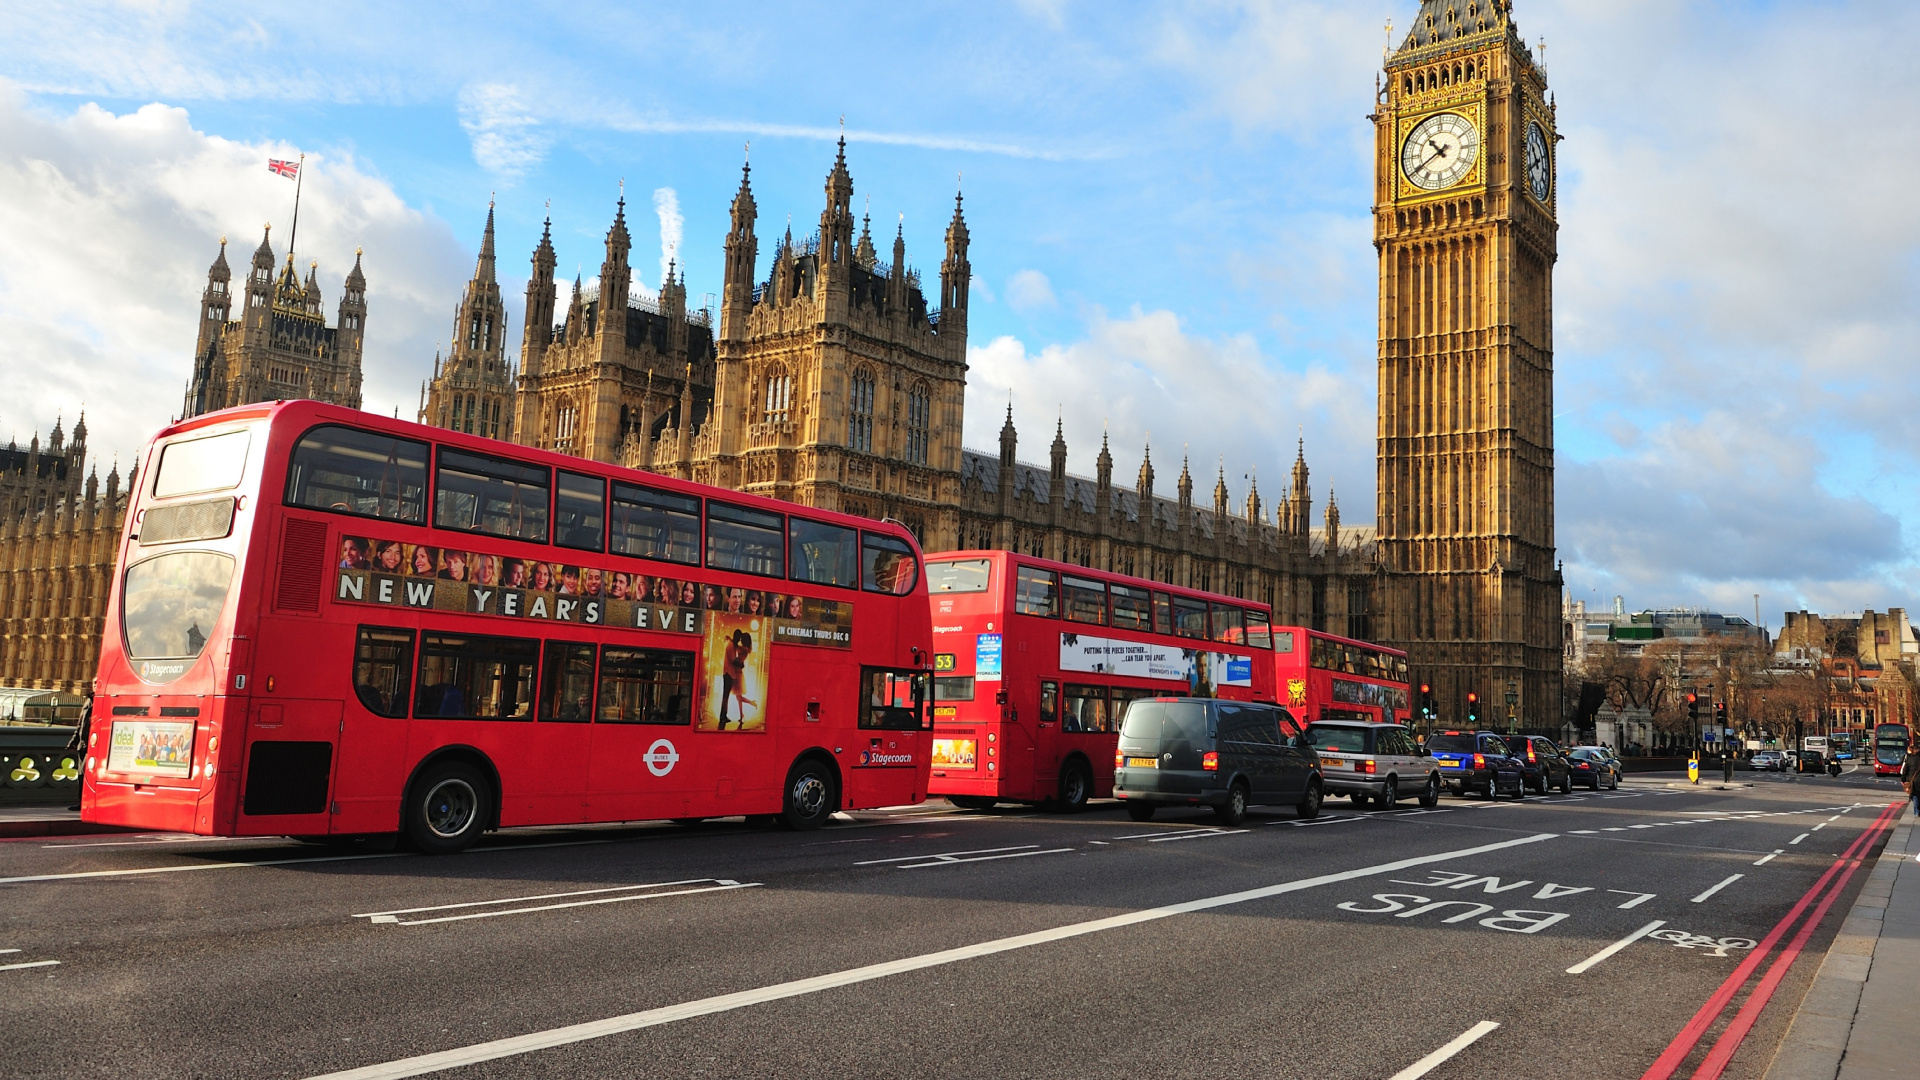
1890 742
1035 661
1323 677
328 623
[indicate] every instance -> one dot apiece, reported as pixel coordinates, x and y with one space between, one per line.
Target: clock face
1440 151
1539 163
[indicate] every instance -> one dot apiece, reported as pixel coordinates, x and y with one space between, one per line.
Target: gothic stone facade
33 480
1465 229
278 346
56 568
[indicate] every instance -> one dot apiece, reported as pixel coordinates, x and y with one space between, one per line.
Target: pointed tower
742 254
1009 440
1253 499
1103 485
473 391
864 256
1220 496
259 308
206 391
537 331
1301 501
615 282
956 274
351 335
1185 487
836 221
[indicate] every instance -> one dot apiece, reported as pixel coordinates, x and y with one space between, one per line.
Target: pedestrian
1909 771
77 743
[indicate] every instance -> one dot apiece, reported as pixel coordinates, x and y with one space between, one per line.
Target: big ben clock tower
1464 194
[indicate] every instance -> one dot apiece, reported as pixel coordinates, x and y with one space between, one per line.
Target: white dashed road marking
1441 1056
1587 964
1703 896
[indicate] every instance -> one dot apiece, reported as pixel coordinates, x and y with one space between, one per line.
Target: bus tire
448 807
1076 787
811 795
688 820
973 802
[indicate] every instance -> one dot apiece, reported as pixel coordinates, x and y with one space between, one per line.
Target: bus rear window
213 463
656 524
350 471
953 688
959 576
490 495
169 607
889 564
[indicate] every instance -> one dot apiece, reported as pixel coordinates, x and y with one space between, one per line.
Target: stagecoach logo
661 757
152 672
877 759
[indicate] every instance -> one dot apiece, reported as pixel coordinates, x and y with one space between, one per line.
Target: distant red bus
329 623
1323 677
1035 662
1890 743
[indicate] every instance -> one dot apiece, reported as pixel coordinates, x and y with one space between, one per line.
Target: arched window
919 423
860 412
779 400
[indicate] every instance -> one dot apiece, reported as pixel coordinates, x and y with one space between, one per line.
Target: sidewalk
1856 1022
18 821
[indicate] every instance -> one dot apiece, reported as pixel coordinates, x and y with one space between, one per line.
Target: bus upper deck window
495 496
1086 600
888 565
209 463
1037 592
580 511
822 554
655 524
350 471
1132 608
1229 624
1162 613
1259 635
739 538
1190 617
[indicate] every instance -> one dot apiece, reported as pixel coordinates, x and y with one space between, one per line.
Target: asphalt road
1014 943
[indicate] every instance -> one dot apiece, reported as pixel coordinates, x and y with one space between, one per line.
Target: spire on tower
483 268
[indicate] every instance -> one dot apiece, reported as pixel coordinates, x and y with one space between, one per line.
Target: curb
1817 1039
12 830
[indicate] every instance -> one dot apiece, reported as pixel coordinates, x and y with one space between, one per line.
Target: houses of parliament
832 377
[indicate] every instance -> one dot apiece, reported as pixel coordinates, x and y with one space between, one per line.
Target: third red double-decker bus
1890 742
1323 677
1035 661
329 623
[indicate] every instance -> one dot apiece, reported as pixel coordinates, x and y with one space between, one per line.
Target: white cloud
1029 291
673 226
1144 377
506 136
100 286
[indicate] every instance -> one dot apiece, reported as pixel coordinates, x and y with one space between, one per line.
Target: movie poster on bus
157 748
734 670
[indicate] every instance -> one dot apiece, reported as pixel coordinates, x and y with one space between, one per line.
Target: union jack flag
288 169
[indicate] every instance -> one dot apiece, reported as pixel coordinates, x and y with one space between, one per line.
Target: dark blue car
1477 761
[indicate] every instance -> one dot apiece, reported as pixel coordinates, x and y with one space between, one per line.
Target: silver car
1769 761
1374 763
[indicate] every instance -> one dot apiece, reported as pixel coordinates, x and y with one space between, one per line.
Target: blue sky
1168 204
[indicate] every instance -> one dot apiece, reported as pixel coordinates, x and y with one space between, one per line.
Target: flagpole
299 177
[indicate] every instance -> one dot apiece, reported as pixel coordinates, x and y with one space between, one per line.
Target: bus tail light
1479 761
1210 761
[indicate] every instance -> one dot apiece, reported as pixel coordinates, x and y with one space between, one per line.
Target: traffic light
1473 709
1426 703
1720 715
1693 709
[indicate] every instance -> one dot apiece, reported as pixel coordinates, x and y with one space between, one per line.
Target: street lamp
1513 698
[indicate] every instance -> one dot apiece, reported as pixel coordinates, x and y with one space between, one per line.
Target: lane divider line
1777 852
30 964
562 1036
1195 835
542 896
946 855
1682 1045
1590 962
1729 1042
724 886
1799 838
1702 898
944 860
1441 1056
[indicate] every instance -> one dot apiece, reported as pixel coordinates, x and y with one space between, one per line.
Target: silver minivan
1374 763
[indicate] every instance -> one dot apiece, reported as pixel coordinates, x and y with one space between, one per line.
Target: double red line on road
1723 1049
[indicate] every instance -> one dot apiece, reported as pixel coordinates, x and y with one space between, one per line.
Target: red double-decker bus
1035 662
1324 677
330 624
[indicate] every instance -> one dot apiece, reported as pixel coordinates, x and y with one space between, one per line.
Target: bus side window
1258 634
656 524
566 683
1086 709
1190 617
471 676
383 670
1049 702
1037 592
1162 613
1229 624
888 564
358 472
896 700
495 496
1086 600
822 554
580 516
645 686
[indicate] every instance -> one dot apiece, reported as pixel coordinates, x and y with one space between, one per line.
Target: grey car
1224 754
1374 763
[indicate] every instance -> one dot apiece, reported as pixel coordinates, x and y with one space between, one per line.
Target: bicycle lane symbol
1709 946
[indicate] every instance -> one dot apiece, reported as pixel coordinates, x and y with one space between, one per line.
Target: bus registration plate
1143 763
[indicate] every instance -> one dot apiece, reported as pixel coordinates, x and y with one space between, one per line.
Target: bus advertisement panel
1324 677
1036 661
331 623
1890 743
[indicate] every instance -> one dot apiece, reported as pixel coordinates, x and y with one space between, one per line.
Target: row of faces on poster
561 579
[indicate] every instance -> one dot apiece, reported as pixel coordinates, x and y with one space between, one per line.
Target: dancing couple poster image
734 666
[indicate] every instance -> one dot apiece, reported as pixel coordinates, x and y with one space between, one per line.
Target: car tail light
1583 765
1530 758
1368 766
1210 761
1479 761
1119 760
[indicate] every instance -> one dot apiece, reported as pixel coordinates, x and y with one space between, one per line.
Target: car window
1452 744
1339 740
1402 745
1261 726
1493 744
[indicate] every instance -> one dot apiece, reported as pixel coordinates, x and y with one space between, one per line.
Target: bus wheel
973 802
449 809
1076 787
811 797
688 820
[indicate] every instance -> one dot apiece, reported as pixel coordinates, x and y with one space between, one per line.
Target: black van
1224 754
